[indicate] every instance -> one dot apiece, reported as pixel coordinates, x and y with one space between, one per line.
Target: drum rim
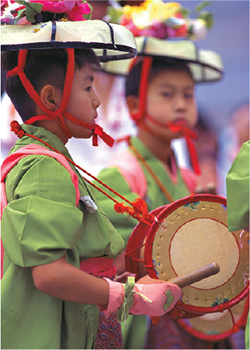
148 253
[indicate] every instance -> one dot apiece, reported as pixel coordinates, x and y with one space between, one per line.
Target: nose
180 103
96 101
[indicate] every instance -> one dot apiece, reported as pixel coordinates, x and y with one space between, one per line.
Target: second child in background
160 95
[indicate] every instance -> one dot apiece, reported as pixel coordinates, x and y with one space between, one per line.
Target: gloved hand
153 299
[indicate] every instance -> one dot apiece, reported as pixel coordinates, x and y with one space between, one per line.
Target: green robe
134 333
41 224
238 199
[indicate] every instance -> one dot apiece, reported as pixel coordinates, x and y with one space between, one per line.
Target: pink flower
74 9
76 14
56 6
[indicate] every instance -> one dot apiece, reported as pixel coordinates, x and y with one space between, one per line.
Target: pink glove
116 297
163 297
141 299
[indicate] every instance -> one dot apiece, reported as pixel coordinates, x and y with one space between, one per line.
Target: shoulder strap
33 149
14 158
131 170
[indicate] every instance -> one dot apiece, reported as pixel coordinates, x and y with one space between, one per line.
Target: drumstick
197 275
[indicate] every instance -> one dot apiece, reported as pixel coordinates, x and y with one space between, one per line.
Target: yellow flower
149 11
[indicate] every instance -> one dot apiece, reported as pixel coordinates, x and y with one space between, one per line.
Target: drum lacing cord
137 209
235 327
149 169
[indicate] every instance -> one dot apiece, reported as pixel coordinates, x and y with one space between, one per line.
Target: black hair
132 83
43 66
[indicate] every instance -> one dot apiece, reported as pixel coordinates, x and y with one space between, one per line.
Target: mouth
180 121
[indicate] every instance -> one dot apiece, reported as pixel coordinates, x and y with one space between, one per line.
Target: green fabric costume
238 199
134 333
40 224
154 198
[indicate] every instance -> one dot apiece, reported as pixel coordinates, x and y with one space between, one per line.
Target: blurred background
223 106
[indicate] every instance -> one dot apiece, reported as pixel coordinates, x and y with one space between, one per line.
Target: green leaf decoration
208 18
169 301
185 12
202 5
88 16
20 14
31 9
114 14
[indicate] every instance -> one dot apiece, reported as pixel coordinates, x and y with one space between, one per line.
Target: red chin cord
61 113
188 134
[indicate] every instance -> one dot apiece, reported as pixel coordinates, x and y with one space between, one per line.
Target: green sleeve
41 220
114 179
238 190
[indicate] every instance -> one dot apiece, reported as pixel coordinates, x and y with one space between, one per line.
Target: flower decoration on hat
33 11
160 19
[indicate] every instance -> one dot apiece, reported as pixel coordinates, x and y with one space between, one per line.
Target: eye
167 94
89 88
189 95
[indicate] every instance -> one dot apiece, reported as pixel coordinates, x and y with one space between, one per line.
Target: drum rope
137 209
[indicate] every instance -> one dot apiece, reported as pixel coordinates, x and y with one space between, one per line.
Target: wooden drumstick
196 276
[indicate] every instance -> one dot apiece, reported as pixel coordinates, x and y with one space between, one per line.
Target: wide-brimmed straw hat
205 65
109 41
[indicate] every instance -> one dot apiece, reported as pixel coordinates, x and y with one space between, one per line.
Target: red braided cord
146 66
140 207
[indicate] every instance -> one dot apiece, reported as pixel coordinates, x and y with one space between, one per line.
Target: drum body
188 234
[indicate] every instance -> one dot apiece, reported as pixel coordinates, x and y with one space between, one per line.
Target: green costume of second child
40 224
238 199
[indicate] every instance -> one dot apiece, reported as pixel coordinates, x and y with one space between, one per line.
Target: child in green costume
237 182
57 287
160 95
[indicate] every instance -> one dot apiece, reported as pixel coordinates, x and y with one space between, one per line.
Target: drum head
219 325
192 233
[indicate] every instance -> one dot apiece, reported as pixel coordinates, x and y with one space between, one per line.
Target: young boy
160 94
59 250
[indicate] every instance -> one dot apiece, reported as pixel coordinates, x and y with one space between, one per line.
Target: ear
133 104
50 97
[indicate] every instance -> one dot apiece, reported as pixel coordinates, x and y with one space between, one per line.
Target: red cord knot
17 129
13 72
98 131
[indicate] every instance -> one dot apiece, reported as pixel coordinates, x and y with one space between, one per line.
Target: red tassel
139 210
17 129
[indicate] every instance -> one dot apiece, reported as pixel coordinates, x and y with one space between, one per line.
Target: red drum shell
202 210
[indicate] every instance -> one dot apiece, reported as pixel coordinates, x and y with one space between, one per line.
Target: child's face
83 102
171 98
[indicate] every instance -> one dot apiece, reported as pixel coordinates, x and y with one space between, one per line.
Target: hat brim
109 41
205 66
